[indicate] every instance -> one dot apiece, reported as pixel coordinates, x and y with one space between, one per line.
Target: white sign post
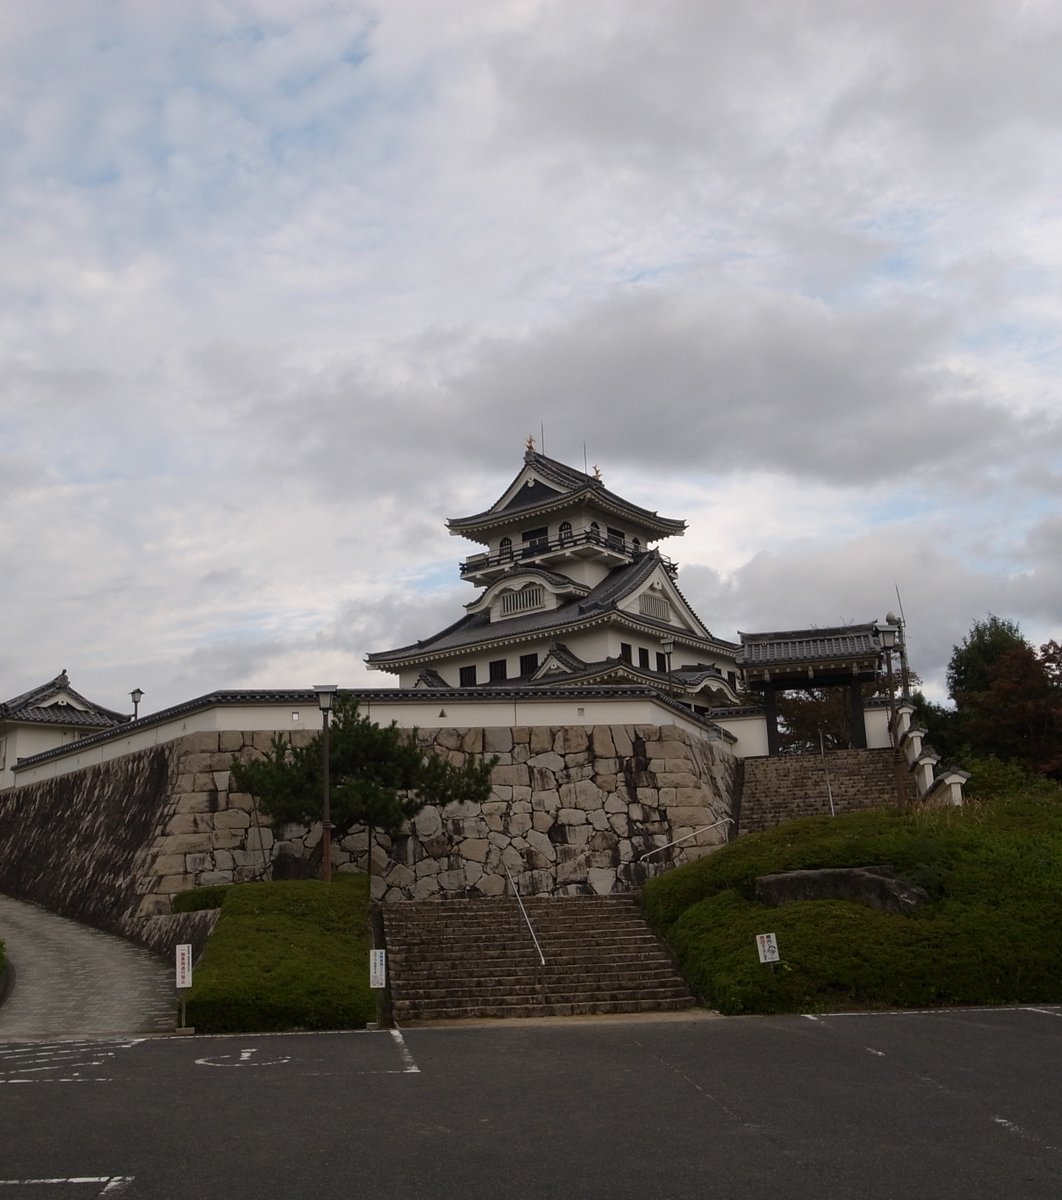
377 969
184 974
767 945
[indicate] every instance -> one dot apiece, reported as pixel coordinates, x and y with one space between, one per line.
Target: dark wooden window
661 661
564 531
468 676
625 651
616 538
505 547
536 540
497 670
528 664
643 657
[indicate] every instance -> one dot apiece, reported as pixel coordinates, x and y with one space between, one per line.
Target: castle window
564 531
535 541
661 662
636 546
527 598
528 664
505 548
657 607
643 657
468 676
625 651
617 539
497 670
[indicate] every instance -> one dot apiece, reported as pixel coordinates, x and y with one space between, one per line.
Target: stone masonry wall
80 845
570 811
785 786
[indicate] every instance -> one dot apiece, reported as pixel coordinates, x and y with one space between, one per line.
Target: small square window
528 664
497 670
468 676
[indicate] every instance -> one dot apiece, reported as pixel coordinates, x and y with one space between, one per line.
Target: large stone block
515 776
602 880
540 739
232 818
230 741
203 742
474 849
497 740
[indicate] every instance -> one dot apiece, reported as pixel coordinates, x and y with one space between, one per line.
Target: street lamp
887 638
326 693
668 645
136 695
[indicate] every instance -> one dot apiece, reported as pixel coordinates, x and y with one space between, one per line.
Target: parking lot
940 1104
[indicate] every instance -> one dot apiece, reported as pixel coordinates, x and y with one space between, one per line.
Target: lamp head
325 695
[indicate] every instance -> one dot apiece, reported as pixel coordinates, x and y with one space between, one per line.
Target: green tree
1008 699
379 777
983 646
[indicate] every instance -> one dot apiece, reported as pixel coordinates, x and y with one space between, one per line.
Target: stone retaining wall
571 809
785 786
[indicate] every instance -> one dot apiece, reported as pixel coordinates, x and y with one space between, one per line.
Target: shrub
993 871
289 955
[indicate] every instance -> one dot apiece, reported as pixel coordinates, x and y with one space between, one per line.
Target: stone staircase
475 958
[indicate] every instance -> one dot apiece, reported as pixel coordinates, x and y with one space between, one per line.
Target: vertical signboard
184 966
377 968
767 945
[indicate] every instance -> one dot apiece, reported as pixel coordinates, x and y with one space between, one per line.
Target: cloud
286 285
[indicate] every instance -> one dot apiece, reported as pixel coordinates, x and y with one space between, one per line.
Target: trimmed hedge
286 955
993 871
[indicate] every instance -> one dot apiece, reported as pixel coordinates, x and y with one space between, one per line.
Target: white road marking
1024 1134
409 1067
68 1062
112 1184
1047 1012
245 1059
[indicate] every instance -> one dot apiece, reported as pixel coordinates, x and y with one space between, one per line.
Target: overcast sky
285 284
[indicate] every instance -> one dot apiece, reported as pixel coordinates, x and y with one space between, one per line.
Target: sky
286 283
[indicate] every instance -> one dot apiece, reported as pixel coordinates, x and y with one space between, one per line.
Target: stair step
474 958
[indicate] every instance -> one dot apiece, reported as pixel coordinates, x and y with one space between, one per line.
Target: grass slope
993 871
289 955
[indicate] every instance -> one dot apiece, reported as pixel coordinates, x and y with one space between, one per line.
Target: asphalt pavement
920 1106
71 981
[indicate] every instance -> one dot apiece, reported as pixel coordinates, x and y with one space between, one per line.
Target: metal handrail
530 927
679 841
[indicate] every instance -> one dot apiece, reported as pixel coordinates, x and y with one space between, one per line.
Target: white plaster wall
434 711
750 731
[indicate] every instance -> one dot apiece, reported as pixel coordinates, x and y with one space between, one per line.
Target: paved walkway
73 981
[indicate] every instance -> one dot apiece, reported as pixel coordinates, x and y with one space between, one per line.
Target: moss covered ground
988 935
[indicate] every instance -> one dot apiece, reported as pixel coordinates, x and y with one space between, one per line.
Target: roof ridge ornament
597 473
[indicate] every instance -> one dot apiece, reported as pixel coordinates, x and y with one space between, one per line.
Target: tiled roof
803 646
60 714
571 482
32 706
477 627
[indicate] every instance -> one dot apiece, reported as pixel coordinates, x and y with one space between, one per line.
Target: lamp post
668 645
325 695
136 695
887 636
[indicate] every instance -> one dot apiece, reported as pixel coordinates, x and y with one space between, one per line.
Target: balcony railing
568 541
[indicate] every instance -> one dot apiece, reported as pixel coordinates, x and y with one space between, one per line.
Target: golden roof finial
597 472
530 443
